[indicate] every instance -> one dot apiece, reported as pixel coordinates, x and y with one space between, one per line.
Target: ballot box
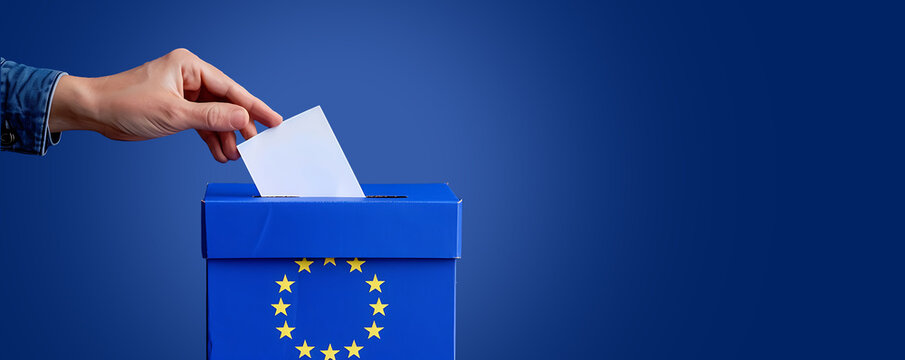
331 278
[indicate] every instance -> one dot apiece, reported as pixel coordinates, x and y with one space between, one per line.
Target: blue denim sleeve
25 97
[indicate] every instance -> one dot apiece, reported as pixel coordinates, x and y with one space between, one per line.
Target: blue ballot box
331 278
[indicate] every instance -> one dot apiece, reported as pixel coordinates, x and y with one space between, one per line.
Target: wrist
73 106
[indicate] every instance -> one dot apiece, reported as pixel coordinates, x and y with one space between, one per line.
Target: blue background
641 179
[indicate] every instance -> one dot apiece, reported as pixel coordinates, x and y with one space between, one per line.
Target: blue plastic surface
407 242
423 222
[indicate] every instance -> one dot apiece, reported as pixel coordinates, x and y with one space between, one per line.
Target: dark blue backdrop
641 179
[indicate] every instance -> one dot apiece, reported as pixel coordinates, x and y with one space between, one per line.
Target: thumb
215 116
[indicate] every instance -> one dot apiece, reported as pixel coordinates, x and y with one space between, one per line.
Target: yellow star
280 308
375 284
304 350
329 261
303 265
356 264
373 330
378 307
285 330
353 350
285 284
329 354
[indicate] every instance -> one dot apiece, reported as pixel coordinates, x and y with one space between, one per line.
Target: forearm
74 105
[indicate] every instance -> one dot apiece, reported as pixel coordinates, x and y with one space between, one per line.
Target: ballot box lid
394 221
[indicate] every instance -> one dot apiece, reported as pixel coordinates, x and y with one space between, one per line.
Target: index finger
218 84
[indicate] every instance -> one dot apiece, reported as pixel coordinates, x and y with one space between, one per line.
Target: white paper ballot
300 157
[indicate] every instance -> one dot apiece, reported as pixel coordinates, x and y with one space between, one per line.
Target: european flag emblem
310 312
330 308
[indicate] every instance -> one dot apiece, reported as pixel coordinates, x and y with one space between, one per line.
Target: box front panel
289 308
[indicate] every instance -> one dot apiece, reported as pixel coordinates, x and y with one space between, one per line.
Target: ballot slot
368 196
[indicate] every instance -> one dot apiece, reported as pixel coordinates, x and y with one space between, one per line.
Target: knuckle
211 115
239 96
191 78
180 54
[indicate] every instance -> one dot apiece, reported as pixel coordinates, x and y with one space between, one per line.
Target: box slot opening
369 196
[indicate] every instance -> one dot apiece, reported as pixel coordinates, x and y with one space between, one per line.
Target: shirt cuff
54 138
26 95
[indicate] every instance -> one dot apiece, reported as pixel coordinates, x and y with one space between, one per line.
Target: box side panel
454 311
207 335
331 306
459 230
203 232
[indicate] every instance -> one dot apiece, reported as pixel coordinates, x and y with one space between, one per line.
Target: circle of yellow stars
329 353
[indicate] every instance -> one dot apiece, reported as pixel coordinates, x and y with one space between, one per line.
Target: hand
176 92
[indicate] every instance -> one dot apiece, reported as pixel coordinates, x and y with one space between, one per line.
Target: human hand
176 92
